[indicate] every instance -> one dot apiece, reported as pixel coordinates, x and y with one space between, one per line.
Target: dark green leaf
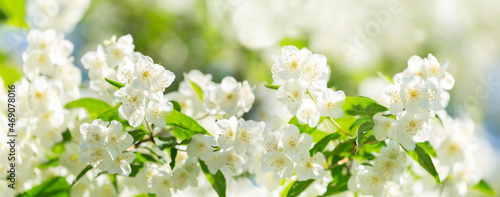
165 142
173 155
274 87
339 182
217 181
142 157
318 147
483 187
298 187
188 125
362 106
366 126
136 167
95 107
82 173
176 105
57 186
138 134
114 181
425 161
115 83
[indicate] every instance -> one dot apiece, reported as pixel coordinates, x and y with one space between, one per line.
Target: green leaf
274 87
173 155
135 167
138 134
165 142
114 181
217 181
57 187
187 125
146 195
483 187
50 163
428 148
142 157
112 114
339 182
363 128
115 83
95 107
196 88
15 11
303 128
297 42
176 105
83 172
318 147
362 106
382 75
423 158
298 187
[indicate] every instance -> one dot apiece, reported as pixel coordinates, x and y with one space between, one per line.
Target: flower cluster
385 172
303 78
103 147
229 98
415 96
142 96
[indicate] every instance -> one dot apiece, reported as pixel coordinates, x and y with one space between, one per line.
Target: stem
204 116
337 125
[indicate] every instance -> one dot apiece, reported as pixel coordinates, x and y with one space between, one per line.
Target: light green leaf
217 181
82 173
483 187
298 187
196 88
274 87
54 187
15 11
115 83
428 148
423 158
185 125
95 107
303 128
382 75
362 106
112 114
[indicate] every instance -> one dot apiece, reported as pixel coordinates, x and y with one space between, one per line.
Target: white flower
226 129
434 94
388 169
465 175
330 103
69 158
182 178
307 113
96 157
394 152
215 161
279 164
95 62
416 67
164 80
94 135
411 129
295 143
248 135
117 51
126 71
143 177
414 94
118 141
146 72
393 96
384 126
133 104
310 167
121 164
292 62
291 93
433 67
233 162
162 183
315 69
156 111
201 146
370 183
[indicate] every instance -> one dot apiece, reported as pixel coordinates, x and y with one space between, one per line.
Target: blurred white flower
310 167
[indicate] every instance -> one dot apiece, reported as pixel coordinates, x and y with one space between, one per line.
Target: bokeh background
360 38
